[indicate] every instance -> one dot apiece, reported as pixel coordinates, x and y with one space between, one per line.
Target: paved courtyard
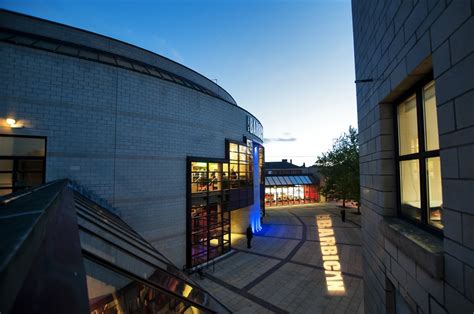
283 271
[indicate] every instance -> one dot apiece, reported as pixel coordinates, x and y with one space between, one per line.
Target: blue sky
290 63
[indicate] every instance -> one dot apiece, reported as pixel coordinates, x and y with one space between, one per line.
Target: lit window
418 158
22 162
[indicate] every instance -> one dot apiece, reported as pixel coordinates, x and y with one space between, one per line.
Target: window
419 169
241 165
22 162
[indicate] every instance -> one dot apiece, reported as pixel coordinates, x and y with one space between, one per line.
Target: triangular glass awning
121 270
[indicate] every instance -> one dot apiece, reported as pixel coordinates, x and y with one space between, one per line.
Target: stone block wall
122 134
398 43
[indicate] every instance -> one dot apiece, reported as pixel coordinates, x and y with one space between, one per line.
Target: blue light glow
254 214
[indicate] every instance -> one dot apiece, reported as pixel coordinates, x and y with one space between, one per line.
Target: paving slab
283 271
242 268
275 247
301 289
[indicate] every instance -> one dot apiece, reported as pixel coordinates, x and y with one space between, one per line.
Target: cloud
280 139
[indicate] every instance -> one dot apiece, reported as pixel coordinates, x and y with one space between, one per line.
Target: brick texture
396 44
122 134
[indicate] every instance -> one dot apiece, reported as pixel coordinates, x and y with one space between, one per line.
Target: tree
340 168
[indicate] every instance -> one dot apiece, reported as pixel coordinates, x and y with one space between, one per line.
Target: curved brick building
164 145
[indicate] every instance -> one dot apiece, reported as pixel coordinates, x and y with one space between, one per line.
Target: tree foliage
340 168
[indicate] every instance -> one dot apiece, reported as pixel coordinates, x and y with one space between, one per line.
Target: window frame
421 156
16 158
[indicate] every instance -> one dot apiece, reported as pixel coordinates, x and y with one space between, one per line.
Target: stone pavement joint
282 262
283 272
247 295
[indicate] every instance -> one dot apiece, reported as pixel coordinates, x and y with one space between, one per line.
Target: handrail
81 189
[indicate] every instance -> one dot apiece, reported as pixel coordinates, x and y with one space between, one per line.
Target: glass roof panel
23 40
106 238
298 179
107 59
45 45
293 180
277 181
124 63
88 55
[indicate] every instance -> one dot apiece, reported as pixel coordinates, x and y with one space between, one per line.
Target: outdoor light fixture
12 123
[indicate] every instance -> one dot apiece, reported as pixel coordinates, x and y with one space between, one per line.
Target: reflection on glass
6 165
28 179
110 292
30 165
431 117
435 194
5 191
407 127
410 188
5 179
21 146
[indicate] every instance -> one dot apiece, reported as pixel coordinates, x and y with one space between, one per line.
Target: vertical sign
254 127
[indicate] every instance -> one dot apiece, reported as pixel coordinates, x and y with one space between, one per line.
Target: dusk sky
290 63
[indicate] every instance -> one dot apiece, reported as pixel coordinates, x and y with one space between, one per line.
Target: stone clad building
414 63
166 146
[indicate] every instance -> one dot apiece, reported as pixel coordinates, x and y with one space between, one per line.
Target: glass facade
217 187
22 163
418 158
289 190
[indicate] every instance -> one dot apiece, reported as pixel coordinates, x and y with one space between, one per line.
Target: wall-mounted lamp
13 123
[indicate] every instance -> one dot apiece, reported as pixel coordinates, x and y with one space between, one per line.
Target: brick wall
122 134
396 44
66 33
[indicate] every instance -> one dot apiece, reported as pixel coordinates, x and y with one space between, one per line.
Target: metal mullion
410 156
110 221
430 154
127 274
143 248
14 177
93 215
222 226
421 158
397 160
208 216
126 251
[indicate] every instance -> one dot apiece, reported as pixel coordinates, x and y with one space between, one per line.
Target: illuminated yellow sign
331 264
